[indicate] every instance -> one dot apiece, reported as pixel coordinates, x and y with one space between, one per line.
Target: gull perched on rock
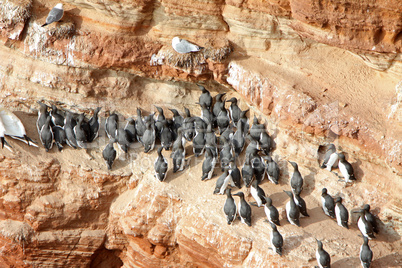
55 14
184 46
12 126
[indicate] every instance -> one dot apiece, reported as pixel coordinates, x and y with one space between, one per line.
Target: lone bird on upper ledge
55 14
184 46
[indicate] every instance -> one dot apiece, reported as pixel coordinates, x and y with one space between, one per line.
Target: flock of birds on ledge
219 133
234 132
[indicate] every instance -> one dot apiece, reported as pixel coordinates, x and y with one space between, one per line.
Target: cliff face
313 71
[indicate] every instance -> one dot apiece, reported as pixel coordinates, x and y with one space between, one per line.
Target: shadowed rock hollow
313 71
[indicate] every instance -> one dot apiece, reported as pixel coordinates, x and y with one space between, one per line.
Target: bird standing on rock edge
230 208
161 166
342 214
55 14
244 209
323 258
184 46
109 153
292 210
346 168
366 255
328 204
276 240
296 182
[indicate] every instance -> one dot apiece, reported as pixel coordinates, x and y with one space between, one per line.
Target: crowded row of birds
221 135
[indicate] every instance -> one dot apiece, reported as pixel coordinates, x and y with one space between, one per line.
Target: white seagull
184 46
12 126
55 14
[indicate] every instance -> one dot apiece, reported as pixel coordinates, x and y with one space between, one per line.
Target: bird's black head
319 243
341 156
240 194
233 100
324 191
366 207
294 165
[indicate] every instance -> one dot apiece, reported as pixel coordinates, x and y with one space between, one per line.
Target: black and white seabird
342 214
178 152
218 104
159 121
208 166
109 154
235 173
366 255
130 129
226 154
79 132
46 135
55 14
111 125
234 111
222 120
276 239
364 226
292 210
161 166
206 114
57 119
177 121
257 193
265 142
166 136
230 208
42 116
272 169
205 97
211 141
247 172
330 158
256 129
139 126
149 137
94 123
258 167
302 205
123 140
323 258
238 139
227 134
370 218
59 137
188 126
199 141
180 141
69 124
252 147
222 182
271 212
244 209
296 182
245 120
346 168
328 204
